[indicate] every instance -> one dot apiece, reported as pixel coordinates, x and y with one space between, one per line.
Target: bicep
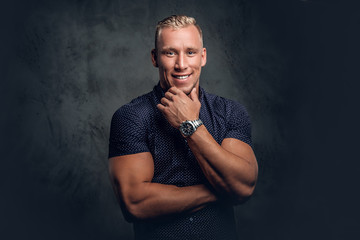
129 171
240 149
129 175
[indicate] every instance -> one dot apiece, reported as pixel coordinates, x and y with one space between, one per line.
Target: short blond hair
176 22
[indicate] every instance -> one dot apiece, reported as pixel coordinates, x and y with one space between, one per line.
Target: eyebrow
168 49
173 49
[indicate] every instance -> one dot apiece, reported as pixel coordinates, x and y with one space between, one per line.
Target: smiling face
179 57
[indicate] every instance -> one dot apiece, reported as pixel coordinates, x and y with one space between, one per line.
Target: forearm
228 173
152 200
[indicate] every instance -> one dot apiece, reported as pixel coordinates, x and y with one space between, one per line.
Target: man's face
179 57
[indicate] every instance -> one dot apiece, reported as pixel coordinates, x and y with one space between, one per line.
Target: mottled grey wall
66 66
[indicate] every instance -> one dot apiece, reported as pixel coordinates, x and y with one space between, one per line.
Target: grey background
66 66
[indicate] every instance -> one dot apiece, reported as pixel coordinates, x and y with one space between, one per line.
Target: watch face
187 129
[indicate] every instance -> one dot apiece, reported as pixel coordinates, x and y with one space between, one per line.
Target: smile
181 77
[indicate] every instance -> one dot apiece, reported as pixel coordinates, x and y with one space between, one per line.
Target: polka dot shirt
140 127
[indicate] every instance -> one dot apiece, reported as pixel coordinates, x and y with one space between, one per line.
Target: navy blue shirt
140 127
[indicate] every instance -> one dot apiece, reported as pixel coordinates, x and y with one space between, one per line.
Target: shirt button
191 219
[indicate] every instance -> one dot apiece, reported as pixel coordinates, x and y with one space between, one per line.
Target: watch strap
197 123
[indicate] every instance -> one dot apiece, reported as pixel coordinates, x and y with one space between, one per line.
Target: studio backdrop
66 66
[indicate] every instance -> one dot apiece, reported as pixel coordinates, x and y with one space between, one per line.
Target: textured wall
66 66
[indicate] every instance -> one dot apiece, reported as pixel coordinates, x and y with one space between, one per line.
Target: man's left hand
177 107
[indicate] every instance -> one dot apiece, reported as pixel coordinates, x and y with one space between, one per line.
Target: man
180 157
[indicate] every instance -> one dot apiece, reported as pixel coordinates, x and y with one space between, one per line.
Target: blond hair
176 22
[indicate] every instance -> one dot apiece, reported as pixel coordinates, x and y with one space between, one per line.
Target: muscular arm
231 167
142 199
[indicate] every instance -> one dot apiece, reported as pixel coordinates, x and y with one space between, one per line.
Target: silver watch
187 128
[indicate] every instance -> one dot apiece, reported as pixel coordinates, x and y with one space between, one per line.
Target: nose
181 62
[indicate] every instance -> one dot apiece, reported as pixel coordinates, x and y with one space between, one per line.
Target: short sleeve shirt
140 127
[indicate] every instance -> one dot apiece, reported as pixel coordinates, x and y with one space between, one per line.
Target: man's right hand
177 107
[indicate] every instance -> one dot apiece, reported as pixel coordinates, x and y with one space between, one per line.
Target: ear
154 58
203 57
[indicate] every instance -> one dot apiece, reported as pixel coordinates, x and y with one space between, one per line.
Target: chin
186 90
185 87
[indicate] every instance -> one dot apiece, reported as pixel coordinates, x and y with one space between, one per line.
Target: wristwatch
187 128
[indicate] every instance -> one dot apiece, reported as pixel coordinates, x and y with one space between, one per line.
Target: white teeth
181 77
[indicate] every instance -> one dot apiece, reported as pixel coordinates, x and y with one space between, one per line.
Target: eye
169 53
191 53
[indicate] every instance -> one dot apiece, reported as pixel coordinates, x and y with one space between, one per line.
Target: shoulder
129 127
232 115
137 109
225 106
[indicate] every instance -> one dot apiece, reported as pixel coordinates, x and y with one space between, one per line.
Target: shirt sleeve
238 123
127 133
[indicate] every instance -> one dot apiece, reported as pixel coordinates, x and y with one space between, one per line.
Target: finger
165 101
161 107
175 90
169 95
193 95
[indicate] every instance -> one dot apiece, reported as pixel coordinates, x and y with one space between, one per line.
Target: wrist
188 127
